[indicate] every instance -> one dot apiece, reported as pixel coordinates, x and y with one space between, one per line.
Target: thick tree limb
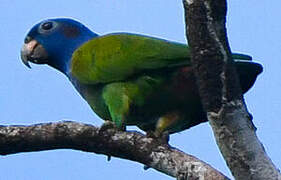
220 92
108 141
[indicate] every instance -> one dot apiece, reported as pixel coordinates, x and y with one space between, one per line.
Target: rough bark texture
108 141
220 92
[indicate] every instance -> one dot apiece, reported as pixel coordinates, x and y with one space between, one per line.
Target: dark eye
47 25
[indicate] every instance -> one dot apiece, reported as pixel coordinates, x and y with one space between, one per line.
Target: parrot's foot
122 128
110 125
107 125
160 136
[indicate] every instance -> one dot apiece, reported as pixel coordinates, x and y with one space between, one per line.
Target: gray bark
109 141
220 92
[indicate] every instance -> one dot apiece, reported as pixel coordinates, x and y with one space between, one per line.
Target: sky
43 95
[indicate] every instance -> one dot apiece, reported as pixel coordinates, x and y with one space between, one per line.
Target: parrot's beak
33 51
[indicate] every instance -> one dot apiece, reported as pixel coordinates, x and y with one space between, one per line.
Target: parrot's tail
248 72
241 56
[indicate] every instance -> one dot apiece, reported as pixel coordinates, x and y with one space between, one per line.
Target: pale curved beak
33 51
27 51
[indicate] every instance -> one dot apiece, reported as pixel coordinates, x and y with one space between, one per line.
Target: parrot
128 79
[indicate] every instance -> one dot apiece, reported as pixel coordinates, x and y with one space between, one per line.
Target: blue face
53 42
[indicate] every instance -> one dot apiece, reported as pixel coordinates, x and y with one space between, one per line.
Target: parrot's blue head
53 41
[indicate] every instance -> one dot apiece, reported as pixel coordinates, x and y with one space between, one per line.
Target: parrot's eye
47 26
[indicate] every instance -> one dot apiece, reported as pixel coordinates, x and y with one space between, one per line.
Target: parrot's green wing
116 57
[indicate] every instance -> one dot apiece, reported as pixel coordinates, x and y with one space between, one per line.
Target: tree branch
108 141
220 91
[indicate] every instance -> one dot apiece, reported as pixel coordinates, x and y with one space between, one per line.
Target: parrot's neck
62 60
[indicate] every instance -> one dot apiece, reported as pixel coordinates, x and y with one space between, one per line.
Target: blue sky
44 95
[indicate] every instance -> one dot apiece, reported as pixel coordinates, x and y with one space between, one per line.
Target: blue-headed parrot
129 79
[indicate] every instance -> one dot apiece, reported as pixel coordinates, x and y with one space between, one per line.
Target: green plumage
127 78
116 57
138 80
